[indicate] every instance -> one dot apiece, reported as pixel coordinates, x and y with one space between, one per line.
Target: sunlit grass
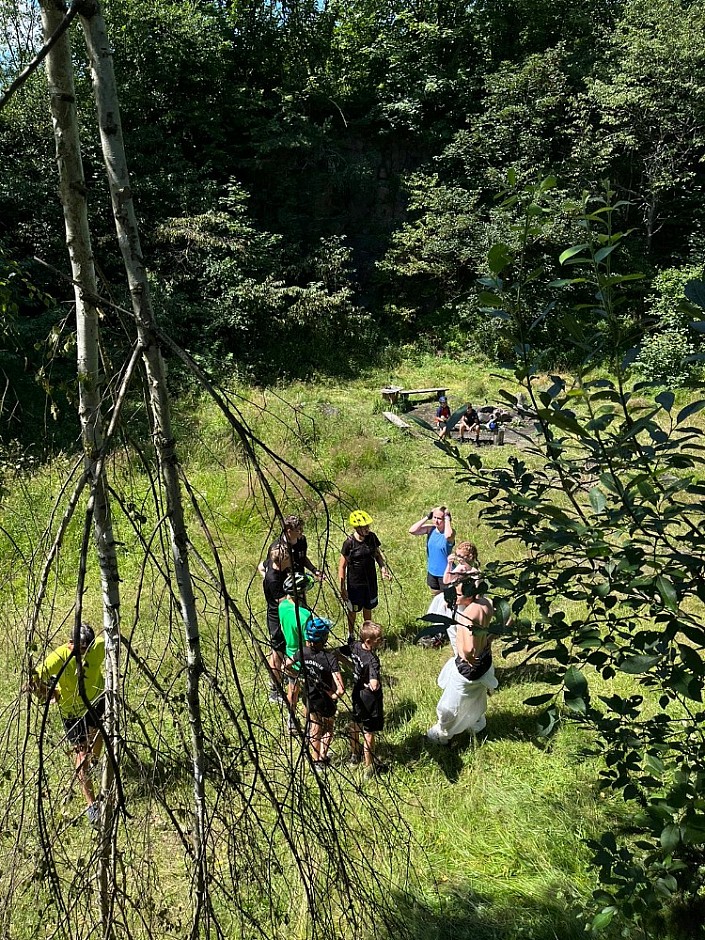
498 828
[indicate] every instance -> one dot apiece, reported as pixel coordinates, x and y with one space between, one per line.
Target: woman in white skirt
466 678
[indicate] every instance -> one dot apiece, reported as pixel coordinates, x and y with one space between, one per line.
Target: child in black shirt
279 563
367 697
323 687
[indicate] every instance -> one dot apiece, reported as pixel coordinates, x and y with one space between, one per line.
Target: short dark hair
278 552
470 584
293 522
86 635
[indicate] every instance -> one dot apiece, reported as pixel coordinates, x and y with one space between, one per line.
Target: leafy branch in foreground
607 507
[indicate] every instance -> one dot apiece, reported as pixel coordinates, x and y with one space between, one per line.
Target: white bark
73 199
107 106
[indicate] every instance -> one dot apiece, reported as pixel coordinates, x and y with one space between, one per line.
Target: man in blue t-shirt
438 528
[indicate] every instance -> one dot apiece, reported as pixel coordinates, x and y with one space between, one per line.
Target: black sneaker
354 760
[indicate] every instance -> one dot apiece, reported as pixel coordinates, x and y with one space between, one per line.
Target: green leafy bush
666 356
609 518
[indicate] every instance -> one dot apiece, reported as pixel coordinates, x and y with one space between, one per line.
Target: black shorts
276 637
368 709
359 599
79 730
322 705
435 582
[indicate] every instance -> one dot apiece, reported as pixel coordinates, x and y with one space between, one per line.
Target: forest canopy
306 172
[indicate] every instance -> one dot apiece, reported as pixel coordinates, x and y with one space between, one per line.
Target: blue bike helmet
317 629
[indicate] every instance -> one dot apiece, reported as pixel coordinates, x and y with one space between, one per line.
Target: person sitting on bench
470 423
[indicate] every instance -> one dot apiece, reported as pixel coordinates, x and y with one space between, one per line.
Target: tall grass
498 828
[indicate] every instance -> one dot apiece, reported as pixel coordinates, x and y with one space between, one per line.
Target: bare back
477 614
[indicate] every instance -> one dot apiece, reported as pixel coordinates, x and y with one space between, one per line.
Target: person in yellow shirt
57 680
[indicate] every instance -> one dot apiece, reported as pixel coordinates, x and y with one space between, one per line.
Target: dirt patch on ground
519 430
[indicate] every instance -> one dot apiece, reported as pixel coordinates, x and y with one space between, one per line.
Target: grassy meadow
497 829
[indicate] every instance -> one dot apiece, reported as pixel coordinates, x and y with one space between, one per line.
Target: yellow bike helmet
359 517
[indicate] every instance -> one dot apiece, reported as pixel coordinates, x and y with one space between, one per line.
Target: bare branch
42 54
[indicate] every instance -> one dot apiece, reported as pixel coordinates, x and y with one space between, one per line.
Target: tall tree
73 199
108 112
648 105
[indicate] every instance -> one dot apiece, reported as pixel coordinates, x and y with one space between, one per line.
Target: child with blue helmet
323 687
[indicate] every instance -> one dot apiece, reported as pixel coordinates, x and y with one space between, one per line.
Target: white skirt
462 705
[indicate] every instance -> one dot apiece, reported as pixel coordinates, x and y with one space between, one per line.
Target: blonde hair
370 631
467 551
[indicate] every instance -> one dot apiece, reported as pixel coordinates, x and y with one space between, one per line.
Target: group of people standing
299 660
298 639
453 578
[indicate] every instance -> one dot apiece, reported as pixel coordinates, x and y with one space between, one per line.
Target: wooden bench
396 420
492 437
406 393
392 393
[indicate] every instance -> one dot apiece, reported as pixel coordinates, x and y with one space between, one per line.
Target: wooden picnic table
393 393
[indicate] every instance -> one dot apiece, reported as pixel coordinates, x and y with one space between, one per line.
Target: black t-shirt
317 670
298 552
367 706
471 416
362 570
365 664
273 585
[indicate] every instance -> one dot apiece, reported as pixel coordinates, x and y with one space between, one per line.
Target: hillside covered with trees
305 172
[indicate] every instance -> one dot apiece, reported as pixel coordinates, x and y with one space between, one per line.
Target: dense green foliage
609 518
325 174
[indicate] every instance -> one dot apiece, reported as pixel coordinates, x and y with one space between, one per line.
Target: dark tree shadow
400 713
459 913
162 772
524 673
507 725
410 750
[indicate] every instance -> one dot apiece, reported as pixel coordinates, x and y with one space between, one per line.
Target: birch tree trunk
107 106
73 199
